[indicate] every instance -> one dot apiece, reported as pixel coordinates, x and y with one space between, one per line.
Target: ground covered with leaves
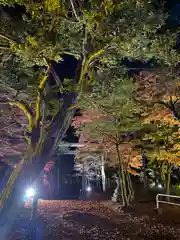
75 220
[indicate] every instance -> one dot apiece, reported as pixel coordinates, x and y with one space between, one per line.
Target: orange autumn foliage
164 115
131 157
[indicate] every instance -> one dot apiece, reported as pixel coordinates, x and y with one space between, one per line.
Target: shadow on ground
77 225
83 220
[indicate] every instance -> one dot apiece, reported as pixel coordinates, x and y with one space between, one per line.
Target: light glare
88 189
30 192
160 185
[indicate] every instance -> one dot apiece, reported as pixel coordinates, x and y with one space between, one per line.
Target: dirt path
91 220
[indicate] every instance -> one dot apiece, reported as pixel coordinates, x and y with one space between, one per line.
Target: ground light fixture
160 185
30 193
88 189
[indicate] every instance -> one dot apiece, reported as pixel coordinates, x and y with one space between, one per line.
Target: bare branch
5 48
57 79
74 10
4 37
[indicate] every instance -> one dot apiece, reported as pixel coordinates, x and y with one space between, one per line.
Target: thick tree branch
5 48
6 38
74 10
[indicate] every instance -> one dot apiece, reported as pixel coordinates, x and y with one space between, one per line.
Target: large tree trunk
30 171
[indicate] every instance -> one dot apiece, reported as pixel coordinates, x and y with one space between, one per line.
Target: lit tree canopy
45 30
160 88
100 34
165 140
112 120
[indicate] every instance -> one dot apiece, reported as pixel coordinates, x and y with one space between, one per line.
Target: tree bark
123 178
162 173
34 166
117 195
168 181
103 174
130 187
58 179
32 169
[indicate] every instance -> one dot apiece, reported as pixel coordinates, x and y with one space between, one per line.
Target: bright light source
88 189
30 192
160 185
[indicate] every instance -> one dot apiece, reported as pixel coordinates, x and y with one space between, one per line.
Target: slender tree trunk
83 185
103 174
120 189
130 187
58 179
168 181
144 169
124 186
123 178
34 217
13 212
162 174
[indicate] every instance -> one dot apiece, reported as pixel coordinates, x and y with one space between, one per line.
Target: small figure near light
88 189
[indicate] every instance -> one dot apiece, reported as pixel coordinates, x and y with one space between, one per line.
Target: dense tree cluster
136 117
